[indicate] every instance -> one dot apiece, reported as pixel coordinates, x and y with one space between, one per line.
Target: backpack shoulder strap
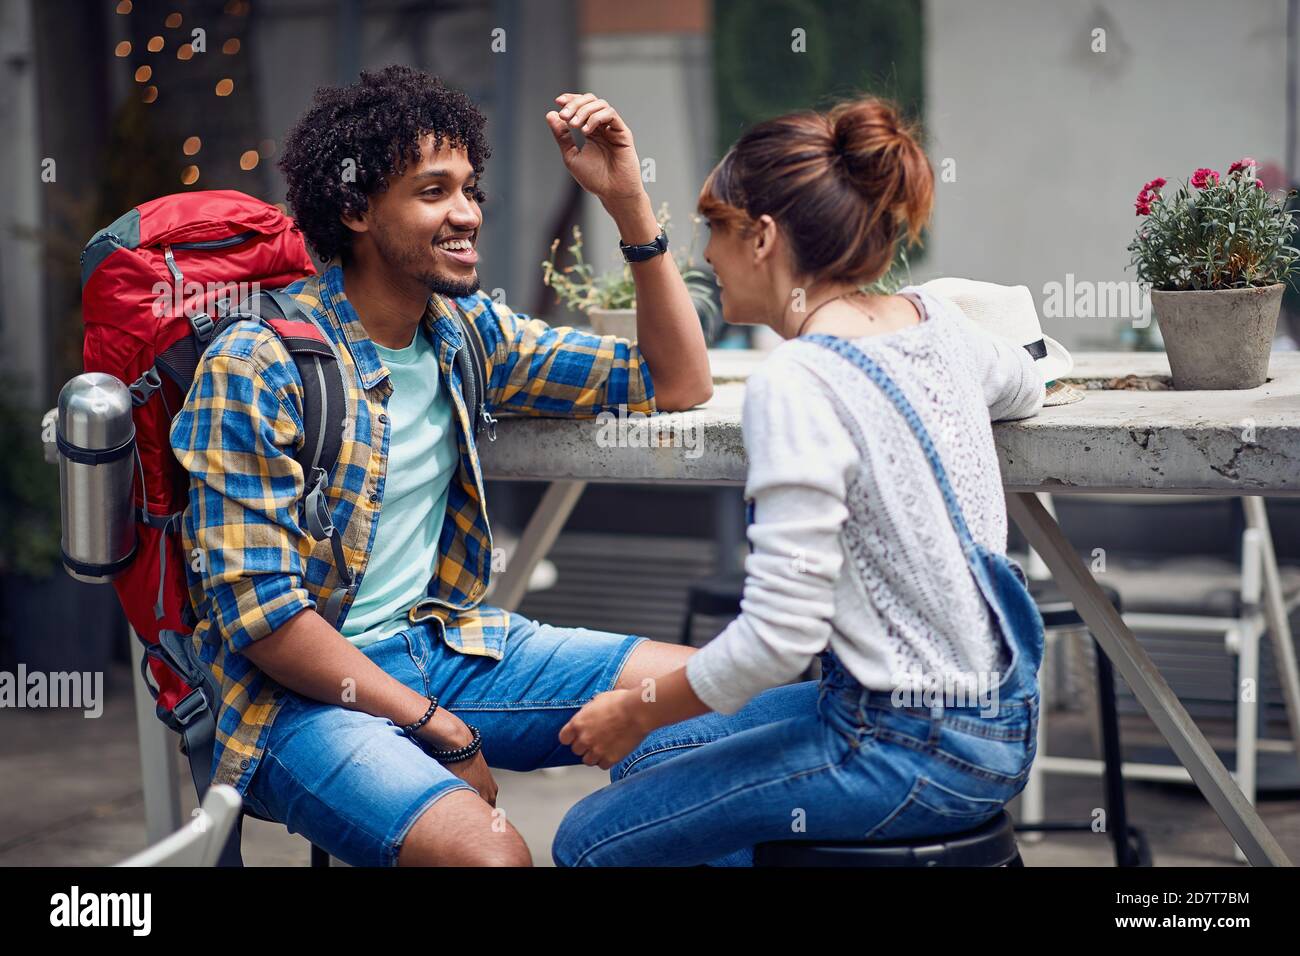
324 408
472 362
324 396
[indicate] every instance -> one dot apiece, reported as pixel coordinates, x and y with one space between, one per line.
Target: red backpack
158 285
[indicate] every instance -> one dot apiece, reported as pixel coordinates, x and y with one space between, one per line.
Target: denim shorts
354 785
826 760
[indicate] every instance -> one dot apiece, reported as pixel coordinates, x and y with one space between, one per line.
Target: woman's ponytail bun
882 158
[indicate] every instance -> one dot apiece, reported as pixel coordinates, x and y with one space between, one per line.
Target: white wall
1052 141
662 86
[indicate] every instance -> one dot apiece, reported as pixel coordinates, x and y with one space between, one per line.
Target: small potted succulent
608 299
1217 255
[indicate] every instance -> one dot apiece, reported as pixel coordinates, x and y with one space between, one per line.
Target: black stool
715 596
989 844
1131 847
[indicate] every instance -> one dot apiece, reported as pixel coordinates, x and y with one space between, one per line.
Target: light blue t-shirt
422 459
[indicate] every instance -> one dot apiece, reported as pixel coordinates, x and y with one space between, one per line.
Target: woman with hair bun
877 540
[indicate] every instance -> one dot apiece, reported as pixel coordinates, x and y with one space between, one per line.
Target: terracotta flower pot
620 322
1218 339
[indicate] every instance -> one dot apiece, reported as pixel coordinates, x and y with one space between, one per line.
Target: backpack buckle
144 386
190 706
320 524
491 424
203 326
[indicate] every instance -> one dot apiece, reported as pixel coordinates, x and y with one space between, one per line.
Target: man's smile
459 249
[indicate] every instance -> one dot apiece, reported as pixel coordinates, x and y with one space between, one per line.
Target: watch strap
640 252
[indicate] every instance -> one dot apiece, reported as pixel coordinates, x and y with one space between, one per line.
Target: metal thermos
96 442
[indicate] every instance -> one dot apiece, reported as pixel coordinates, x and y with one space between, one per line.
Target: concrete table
1244 443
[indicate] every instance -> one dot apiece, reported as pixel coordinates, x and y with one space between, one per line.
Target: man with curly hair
366 687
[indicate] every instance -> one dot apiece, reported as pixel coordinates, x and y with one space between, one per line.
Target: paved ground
70 795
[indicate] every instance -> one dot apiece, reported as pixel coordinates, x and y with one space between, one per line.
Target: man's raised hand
607 165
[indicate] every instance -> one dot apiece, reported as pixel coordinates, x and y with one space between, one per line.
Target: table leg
543 528
158 757
1279 627
1153 693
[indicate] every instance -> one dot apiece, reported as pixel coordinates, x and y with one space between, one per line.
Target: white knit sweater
851 544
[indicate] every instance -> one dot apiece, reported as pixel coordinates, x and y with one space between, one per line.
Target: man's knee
650 660
460 829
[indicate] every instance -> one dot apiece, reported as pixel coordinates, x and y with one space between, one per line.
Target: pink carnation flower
1204 177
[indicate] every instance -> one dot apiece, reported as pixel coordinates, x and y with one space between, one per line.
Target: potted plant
1216 255
608 299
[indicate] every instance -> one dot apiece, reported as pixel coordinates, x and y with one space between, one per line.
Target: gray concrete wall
1052 141
662 85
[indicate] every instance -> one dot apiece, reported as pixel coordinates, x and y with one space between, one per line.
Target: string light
150 94
173 21
123 48
192 145
143 73
190 175
248 160
225 87
124 7
184 51
230 47
155 44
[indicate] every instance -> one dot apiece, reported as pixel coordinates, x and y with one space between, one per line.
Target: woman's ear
764 240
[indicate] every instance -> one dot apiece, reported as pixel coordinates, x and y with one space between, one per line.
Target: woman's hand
607 165
607 729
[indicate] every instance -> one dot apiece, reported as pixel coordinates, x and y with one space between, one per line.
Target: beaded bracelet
410 729
461 753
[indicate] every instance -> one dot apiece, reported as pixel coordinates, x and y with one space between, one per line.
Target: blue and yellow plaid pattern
252 564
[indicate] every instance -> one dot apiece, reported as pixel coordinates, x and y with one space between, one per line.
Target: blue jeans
812 761
354 785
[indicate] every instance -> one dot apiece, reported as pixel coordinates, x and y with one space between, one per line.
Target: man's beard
440 284
412 262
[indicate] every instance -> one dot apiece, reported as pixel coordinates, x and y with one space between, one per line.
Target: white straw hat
1008 311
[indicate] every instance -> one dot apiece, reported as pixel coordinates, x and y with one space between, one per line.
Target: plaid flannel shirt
236 435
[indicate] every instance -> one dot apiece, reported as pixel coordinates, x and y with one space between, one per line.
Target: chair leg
686 627
230 853
319 857
1112 758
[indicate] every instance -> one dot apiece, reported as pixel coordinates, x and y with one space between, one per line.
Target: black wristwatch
646 250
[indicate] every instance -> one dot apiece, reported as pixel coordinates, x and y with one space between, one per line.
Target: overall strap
890 388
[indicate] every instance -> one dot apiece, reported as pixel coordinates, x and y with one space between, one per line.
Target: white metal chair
200 841
1264 608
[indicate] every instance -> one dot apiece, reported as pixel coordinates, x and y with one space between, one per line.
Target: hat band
1037 349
